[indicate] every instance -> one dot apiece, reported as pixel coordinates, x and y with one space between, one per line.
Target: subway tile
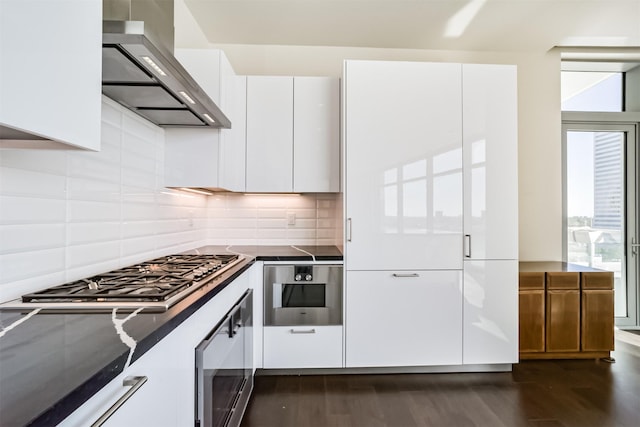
93 211
84 271
326 223
272 213
93 253
111 112
24 265
42 161
91 232
89 189
139 228
305 213
29 210
139 212
301 234
23 182
272 223
138 245
32 237
304 223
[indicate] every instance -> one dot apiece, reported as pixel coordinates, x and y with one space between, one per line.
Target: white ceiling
486 25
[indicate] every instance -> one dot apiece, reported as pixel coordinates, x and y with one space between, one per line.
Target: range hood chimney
140 72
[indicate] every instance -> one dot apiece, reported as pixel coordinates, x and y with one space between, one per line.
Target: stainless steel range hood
140 72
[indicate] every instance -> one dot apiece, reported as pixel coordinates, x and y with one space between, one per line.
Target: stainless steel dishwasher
224 368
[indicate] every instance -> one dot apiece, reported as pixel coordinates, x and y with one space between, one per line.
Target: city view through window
595 181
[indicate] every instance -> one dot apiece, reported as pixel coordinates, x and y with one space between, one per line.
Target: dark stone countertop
278 253
555 266
51 363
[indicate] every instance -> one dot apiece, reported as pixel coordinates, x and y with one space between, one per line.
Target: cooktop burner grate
156 280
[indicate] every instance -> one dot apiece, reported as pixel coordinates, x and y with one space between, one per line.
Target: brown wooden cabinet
566 311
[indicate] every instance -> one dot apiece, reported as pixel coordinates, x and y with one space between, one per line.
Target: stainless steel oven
224 368
302 294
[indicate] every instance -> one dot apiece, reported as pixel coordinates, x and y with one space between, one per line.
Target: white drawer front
290 347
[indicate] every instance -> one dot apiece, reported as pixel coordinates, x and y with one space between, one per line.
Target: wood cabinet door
532 327
597 320
563 320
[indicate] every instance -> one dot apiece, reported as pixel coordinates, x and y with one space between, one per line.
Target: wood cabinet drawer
563 280
291 347
597 280
533 280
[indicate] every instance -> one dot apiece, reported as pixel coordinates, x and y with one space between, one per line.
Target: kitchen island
53 362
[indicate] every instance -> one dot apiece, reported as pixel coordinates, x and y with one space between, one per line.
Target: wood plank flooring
546 393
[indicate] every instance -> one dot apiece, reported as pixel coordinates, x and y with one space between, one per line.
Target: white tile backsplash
65 215
237 219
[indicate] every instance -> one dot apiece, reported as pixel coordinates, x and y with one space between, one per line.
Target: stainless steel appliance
224 368
309 294
155 285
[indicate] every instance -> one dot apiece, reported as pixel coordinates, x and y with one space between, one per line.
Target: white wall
540 179
65 215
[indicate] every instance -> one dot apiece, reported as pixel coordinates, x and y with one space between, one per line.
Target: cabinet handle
467 245
303 331
135 383
405 275
348 229
634 246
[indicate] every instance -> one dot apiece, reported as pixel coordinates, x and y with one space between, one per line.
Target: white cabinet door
490 312
50 67
269 134
233 144
289 347
191 157
403 142
403 318
490 137
316 134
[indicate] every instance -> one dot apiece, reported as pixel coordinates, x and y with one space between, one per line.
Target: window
592 91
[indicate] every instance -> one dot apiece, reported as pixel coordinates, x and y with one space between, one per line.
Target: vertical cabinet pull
467 245
348 229
135 383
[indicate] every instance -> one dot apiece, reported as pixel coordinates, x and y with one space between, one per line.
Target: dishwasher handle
135 383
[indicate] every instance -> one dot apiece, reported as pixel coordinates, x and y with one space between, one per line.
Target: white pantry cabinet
431 184
292 347
490 312
269 134
233 144
50 68
170 369
316 134
403 318
490 147
403 154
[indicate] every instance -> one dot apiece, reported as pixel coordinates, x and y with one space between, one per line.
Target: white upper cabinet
205 157
50 69
233 144
269 134
316 134
403 145
490 136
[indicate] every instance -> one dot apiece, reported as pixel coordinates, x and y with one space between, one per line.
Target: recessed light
186 96
208 117
153 65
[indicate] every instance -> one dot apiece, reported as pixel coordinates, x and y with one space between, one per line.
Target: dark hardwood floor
567 393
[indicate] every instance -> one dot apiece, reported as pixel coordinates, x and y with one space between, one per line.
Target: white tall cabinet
431 214
490 133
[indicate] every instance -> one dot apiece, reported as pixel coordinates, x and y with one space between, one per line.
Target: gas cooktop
155 285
